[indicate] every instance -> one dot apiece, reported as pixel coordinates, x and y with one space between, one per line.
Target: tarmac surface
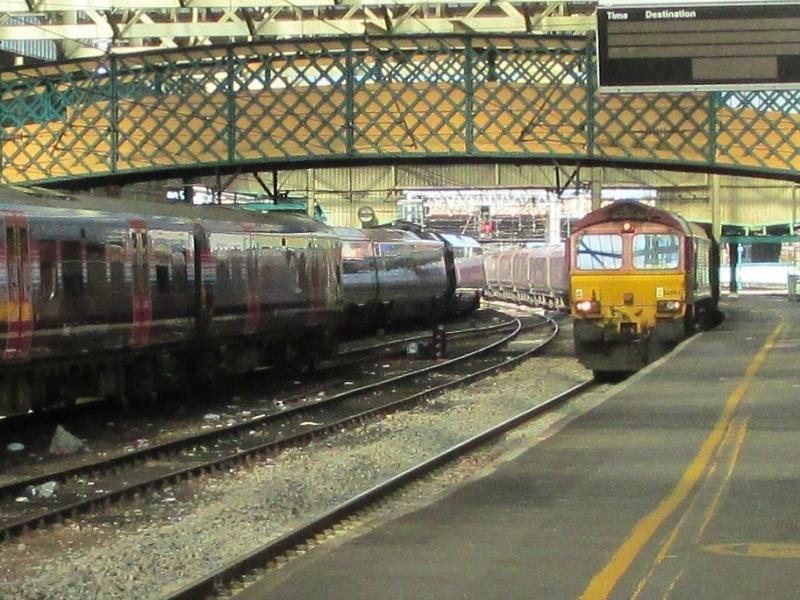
683 483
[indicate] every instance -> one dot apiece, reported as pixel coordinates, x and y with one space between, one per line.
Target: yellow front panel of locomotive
627 297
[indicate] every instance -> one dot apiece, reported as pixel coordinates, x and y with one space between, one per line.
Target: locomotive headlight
669 306
587 307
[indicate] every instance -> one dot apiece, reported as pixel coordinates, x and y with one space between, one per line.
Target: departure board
713 46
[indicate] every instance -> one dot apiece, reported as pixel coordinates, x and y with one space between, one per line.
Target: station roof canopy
89 28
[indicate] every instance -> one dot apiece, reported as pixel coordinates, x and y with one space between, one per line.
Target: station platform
683 483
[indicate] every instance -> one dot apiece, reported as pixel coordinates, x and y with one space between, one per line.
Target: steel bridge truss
323 101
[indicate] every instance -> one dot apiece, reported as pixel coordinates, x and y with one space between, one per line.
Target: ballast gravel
163 541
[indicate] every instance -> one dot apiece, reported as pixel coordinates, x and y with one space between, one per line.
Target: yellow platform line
604 581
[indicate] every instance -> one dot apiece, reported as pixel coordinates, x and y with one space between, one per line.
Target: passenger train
104 297
406 273
641 280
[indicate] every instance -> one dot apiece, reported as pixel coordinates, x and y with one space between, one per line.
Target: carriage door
140 263
19 307
251 251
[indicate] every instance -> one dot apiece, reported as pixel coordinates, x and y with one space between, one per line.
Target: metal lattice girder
652 127
283 103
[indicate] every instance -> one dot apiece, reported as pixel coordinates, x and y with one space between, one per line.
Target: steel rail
422 337
18 485
212 584
15 526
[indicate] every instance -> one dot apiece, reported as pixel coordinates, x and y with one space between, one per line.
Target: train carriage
641 280
105 297
412 275
531 275
468 271
504 266
543 276
108 297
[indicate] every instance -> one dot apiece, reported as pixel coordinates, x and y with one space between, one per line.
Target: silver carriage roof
55 204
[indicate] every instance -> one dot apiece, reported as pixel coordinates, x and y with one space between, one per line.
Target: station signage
698 46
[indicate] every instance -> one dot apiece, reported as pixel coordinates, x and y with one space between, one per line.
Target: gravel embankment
161 542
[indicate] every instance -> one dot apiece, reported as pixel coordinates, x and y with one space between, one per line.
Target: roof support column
69 47
597 187
716 206
554 221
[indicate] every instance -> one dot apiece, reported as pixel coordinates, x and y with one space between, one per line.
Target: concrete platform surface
684 483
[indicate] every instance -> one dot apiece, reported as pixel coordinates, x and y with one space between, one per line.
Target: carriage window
47 269
356 250
656 251
223 274
162 268
96 278
141 264
599 251
236 275
72 269
252 268
116 260
179 270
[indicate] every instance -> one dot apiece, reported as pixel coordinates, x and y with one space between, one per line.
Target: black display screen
737 46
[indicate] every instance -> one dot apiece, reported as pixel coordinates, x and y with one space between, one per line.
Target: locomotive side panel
412 278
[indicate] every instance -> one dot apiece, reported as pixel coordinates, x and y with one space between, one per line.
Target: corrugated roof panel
698 210
633 177
755 206
342 211
527 176
369 179
448 176
41 49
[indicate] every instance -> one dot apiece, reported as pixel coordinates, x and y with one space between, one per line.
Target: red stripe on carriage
19 308
141 305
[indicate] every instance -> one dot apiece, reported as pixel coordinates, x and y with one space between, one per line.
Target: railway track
370 349
129 474
351 354
246 569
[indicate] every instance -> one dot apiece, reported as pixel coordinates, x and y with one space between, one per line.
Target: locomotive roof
46 200
625 210
460 241
349 233
389 235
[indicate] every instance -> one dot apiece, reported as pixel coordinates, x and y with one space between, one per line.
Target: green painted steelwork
328 101
759 239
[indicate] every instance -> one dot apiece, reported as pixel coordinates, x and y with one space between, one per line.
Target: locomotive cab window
598 251
656 251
